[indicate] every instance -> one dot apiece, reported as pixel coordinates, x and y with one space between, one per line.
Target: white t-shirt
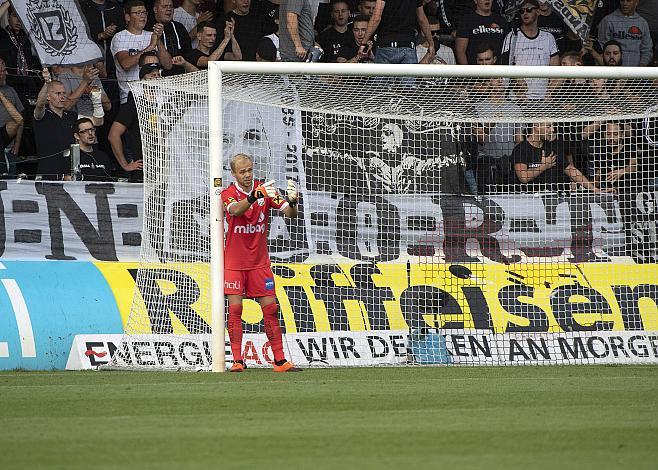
133 43
189 21
444 55
531 51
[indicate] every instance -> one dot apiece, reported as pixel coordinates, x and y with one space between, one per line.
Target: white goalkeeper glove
262 191
292 193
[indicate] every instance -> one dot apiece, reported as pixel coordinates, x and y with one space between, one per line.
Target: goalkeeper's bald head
238 158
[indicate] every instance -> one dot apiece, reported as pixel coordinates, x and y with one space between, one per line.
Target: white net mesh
442 220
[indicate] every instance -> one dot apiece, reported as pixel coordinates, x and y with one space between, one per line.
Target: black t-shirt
94 165
193 58
550 179
604 160
332 41
480 29
249 29
398 23
266 10
553 24
54 136
127 116
348 50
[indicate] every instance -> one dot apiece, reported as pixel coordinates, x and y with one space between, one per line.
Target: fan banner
577 14
58 32
103 222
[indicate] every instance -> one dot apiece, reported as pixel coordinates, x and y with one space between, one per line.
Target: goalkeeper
247 268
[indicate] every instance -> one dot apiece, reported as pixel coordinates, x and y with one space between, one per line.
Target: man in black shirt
174 37
395 22
204 53
355 50
550 21
249 28
482 26
94 164
542 162
53 130
334 37
127 122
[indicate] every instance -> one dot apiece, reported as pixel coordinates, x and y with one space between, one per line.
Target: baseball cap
148 68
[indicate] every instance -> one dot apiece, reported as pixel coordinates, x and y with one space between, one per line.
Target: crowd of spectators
42 112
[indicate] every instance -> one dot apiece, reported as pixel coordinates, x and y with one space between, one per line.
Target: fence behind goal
443 219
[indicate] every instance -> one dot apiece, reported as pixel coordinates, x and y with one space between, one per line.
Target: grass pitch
455 418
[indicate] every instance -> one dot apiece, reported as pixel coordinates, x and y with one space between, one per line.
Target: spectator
648 9
495 140
366 7
16 51
631 31
94 163
190 17
269 11
274 37
14 129
530 46
129 44
266 51
248 28
571 42
207 36
612 54
175 37
53 130
149 58
85 95
395 22
482 26
571 131
357 51
127 123
296 34
541 161
443 54
105 18
550 21
338 34
614 159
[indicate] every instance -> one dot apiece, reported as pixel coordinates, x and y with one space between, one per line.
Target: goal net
445 217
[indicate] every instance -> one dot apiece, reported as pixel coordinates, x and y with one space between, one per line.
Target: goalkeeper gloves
262 191
292 193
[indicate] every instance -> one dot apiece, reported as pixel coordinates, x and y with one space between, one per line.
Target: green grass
454 418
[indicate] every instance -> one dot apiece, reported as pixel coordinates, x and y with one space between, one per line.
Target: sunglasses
527 10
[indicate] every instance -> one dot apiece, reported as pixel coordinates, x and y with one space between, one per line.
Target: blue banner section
43 305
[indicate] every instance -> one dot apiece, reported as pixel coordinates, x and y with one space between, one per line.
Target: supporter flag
577 14
58 31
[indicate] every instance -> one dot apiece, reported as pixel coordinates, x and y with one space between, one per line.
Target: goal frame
216 69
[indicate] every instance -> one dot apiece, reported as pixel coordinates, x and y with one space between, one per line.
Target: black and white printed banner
57 31
103 222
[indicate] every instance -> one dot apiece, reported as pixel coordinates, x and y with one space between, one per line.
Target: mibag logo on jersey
250 228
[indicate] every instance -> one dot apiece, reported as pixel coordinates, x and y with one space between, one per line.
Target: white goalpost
445 217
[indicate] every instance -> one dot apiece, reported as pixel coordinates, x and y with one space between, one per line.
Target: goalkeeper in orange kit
247 266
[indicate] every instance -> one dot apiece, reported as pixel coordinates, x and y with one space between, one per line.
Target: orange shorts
258 282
